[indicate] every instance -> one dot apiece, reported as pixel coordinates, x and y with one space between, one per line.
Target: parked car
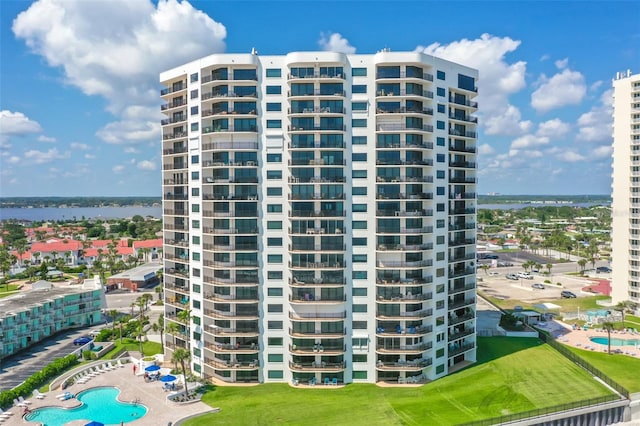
492 256
82 340
525 275
503 264
567 294
494 273
538 286
603 269
512 277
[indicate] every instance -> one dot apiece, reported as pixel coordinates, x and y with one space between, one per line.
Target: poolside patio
581 338
133 388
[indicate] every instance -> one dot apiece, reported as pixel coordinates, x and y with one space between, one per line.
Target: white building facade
625 207
320 216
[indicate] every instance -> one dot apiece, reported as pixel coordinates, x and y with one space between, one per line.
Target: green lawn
11 291
512 375
150 348
567 305
618 367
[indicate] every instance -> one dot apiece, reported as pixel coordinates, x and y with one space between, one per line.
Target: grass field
618 367
150 348
512 375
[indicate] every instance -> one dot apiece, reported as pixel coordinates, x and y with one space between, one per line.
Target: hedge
50 371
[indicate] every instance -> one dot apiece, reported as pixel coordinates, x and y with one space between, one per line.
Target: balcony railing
310 298
412 314
461 303
460 319
461 334
456 350
176 103
307 316
396 264
466 134
424 93
404 365
174 120
403 213
389 348
404 297
174 135
229 129
400 126
405 110
174 88
231 146
404 247
317 333
403 74
211 95
464 117
317 366
317 110
465 102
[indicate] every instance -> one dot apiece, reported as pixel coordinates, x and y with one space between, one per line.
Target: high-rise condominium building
319 216
625 208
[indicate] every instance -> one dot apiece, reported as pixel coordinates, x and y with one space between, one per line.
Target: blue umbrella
152 368
168 378
94 423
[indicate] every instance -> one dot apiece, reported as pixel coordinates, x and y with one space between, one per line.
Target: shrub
89 355
104 335
547 281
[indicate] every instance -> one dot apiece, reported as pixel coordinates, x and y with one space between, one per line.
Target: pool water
615 341
98 404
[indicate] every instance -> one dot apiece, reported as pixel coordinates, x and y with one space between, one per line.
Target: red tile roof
55 244
155 243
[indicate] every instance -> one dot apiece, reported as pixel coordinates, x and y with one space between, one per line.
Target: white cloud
79 146
529 141
147 165
14 159
89 156
116 50
498 77
131 150
562 63
553 128
508 122
571 157
565 88
545 58
42 157
16 124
118 168
595 125
604 151
46 139
335 43
485 149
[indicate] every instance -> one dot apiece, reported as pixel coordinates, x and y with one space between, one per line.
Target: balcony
318 334
461 288
462 242
176 150
226 111
424 313
237 348
460 147
424 230
404 282
405 110
460 334
230 129
463 196
462 164
403 74
404 213
415 365
424 94
404 247
174 120
216 94
404 145
462 133
317 282
340 93
249 315
404 349
456 273
394 127
231 332
462 179
317 110
458 349
175 104
317 128
317 247
316 316
464 117
320 366
230 146
461 303
233 365
174 89
230 298
317 349
316 74
311 299
404 298
463 102
174 135
385 264
453 320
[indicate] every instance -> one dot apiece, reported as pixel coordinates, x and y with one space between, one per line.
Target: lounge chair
18 403
24 401
326 381
120 364
5 414
38 395
334 381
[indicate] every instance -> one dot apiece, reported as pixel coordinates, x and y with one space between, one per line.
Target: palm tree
21 248
582 263
172 328
549 266
113 313
485 268
184 316
623 307
140 333
158 291
608 326
180 356
158 327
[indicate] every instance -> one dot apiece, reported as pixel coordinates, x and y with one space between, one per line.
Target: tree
113 314
623 307
582 263
21 248
608 326
485 268
549 266
158 327
140 333
158 291
181 356
172 328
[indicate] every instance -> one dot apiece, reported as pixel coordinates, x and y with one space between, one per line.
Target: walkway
581 338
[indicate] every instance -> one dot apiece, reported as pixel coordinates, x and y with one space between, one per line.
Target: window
274 325
357 156
194 110
195 208
359 258
195 175
195 239
359 208
274 191
440 125
359 291
361 241
196 289
359 106
275 292
440 353
359 358
274 158
440 304
440 75
359 224
440 91
274 72
467 83
274 308
359 343
195 159
195 272
359 190
275 374
440 158
358 140
440 207
439 369
440 255
274 242
274 124
274 341
359 174
359 275
359 122
275 357
194 77
441 108
274 224
195 255
273 90
440 272
440 141
274 174
359 308
359 325
195 192
440 190
359 375
195 224
274 106
274 258
440 239
359 72
359 88
274 275
194 127
194 94
440 174
274 208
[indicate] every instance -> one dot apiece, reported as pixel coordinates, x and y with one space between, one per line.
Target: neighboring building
148 250
33 315
133 279
625 207
319 216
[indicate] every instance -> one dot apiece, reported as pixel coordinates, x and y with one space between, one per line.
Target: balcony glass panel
331 71
246 226
244 124
302 72
244 107
243 91
389 225
388 89
388 107
298 107
245 157
302 141
331 123
414 72
388 157
335 140
302 89
332 157
414 89
331 106
220 74
302 123
388 72
245 74
331 88
388 140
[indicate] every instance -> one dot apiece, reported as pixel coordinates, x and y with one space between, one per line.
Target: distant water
525 205
53 213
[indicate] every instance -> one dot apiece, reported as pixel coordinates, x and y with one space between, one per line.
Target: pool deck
160 411
580 338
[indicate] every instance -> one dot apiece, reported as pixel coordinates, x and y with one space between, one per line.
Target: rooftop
139 273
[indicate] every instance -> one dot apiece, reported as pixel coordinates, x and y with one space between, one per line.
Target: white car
525 275
494 273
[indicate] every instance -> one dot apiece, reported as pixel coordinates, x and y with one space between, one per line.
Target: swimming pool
98 404
615 341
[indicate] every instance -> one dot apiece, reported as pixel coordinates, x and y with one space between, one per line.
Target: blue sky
79 92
